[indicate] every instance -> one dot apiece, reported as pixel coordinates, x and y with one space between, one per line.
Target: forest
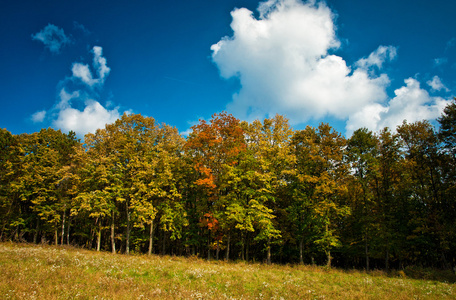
234 190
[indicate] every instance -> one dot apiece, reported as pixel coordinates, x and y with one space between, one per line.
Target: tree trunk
99 237
127 250
113 242
218 250
68 230
329 250
56 236
269 250
329 259
62 240
301 242
35 234
16 234
151 237
228 247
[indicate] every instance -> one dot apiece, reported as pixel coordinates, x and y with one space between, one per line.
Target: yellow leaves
131 164
310 179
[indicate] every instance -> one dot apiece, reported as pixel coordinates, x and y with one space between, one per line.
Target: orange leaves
214 144
208 182
210 222
221 139
207 179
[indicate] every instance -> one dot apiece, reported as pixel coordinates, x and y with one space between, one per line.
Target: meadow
60 272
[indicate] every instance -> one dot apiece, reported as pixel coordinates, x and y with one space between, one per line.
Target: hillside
49 272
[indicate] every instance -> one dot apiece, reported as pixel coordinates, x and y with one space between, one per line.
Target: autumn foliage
253 191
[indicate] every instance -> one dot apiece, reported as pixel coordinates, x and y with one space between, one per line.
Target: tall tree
447 135
447 132
421 144
362 153
388 193
329 177
44 185
10 167
130 174
269 143
301 211
213 147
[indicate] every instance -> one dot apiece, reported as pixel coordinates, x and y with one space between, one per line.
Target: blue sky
75 65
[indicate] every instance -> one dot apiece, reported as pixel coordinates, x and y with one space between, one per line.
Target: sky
77 65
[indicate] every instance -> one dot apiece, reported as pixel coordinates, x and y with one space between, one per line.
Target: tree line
257 191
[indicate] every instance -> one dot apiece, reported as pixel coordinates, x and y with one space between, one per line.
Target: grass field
50 272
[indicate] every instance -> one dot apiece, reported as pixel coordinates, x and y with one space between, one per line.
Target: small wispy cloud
440 61
100 63
450 44
437 85
39 116
52 37
378 57
82 71
81 27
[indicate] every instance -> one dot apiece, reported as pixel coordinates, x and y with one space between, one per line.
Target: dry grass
47 272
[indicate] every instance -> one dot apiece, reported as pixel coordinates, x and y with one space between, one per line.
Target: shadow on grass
420 273
429 274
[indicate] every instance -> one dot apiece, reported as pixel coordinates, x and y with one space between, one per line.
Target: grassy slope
46 272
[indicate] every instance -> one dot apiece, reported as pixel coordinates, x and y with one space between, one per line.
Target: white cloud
411 103
82 71
52 37
100 64
378 57
436 84
65 98
39 116
286 64
283 64
80 110
93 117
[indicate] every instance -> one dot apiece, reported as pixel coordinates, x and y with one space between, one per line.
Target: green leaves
130 168
258 189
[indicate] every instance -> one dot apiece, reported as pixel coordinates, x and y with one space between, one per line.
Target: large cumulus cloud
286 63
